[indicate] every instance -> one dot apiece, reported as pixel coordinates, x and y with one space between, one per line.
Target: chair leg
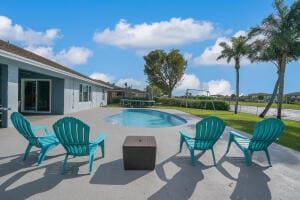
43 153
181 142
192 157
27 151
247 157
102 148
268 157
64 165
213 155
91 161
251 154
229 143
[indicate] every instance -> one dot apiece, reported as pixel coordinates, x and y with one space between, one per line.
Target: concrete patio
173 178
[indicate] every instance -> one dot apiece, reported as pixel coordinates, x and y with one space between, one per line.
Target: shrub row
201 104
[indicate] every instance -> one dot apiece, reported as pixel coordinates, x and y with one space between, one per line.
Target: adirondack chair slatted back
24 128
208 131
73 134
265 132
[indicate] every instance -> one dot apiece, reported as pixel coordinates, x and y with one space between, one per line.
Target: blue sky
107 39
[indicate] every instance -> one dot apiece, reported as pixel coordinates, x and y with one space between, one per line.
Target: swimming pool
145 118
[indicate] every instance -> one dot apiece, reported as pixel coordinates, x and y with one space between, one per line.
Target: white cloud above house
191 81
210 54
15 32
188 81
70 57
74 56
133 83
102 77
221 87
176 31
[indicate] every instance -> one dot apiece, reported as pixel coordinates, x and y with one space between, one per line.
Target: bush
191 103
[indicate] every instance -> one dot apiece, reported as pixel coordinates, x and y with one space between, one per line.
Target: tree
279 43
238 49
154 91
164 70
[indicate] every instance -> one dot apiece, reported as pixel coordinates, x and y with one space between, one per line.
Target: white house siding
71 96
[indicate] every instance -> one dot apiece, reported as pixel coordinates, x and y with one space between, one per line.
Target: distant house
293 96
120 92
259 97
32 84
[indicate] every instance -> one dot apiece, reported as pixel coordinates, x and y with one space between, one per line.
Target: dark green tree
236 51
164 70
279 43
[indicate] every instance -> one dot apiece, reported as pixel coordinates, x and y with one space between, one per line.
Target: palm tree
236 50
280 44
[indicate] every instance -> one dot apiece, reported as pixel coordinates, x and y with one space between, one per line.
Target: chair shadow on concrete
183 183
50 178
16 162
113 173
251 181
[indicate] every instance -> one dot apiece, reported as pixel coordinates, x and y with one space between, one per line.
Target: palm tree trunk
264 112
281 89
237 74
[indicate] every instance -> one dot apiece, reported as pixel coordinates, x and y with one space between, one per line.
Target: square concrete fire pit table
139 153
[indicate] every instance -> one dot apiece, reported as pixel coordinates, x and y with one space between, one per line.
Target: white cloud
187 56
73 56
176 31
188 81
210 54
102 77
133 83
15 32
222 87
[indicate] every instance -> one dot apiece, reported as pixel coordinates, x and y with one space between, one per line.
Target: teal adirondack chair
46 142
208 131
264 134
73 134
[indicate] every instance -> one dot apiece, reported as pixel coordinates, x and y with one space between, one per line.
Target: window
103 94
85 93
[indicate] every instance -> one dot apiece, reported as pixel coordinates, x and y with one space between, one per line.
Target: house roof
259 94
7 47
118 88
293 94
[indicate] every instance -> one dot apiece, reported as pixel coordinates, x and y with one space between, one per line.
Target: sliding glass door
36 95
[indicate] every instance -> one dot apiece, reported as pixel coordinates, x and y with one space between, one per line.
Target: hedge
201 104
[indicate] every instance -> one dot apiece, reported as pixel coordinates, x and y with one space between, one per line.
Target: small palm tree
236 51
280 44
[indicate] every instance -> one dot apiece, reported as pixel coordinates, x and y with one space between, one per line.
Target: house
118 92
33 84
293 96
259 97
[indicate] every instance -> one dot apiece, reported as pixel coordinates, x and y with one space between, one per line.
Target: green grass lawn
263 104
245 122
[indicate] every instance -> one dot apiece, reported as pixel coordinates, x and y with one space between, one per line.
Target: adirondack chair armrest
41 127
184 134
235 134
99 139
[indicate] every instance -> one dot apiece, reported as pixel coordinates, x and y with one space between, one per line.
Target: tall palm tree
280 44
236 50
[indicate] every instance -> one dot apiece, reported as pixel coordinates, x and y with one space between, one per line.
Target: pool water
145 118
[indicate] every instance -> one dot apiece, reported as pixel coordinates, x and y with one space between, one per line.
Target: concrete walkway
173 177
